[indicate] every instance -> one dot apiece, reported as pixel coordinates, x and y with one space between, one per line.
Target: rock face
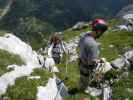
127 27
14 45
53 90
93 91
119 63
125 11
79 25
122 27
71 46
125 60
49 92
50 65
131 61
107 93
128 16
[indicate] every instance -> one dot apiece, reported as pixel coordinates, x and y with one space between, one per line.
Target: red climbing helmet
99 25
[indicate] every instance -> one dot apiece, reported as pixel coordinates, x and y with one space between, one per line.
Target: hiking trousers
85 75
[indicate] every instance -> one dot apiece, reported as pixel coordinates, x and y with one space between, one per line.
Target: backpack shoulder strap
50 50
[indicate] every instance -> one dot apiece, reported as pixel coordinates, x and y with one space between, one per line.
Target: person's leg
83 83
84 77
57 60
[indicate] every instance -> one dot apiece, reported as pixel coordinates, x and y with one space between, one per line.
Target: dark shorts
86 69
57 59
85 75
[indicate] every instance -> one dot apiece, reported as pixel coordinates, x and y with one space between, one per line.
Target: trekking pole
66 71
58 92
66 65
67 55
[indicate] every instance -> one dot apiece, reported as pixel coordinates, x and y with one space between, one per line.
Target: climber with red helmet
89 51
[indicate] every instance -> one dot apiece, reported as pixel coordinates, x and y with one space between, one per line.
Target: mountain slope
64 13
126 10
25 88
32 20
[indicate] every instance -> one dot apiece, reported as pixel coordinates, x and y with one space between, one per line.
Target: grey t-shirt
89 50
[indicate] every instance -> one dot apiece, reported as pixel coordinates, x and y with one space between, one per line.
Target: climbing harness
96 74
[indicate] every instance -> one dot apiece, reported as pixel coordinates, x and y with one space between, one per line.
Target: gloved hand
97 62
102 60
